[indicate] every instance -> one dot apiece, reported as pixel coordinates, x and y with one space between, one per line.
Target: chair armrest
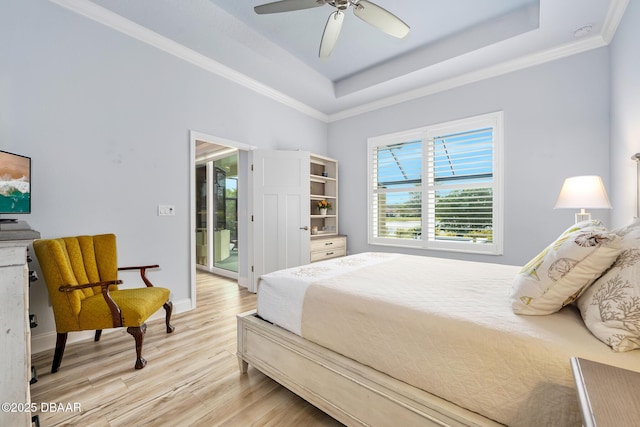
143 269
138 267
71 288
116 313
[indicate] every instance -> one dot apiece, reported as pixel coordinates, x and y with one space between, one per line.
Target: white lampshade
583 192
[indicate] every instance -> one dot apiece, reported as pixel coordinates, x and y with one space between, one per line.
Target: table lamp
583 192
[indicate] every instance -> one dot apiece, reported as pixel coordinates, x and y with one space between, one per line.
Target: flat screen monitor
15 183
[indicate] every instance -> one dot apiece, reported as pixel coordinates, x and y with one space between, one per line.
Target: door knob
304 228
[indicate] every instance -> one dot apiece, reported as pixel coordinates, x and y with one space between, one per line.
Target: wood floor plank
191 378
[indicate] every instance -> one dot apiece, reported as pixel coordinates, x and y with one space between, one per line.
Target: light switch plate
165 210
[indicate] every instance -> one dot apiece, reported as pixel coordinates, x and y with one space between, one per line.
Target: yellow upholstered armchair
82 278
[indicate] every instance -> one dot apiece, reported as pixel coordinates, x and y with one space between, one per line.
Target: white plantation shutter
438 187
460 190
397 169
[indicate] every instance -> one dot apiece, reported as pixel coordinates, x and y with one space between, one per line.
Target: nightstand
608 395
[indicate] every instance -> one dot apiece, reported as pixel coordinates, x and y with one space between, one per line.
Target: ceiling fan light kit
369 12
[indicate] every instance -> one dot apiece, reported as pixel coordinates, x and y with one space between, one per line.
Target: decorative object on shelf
583 192
314 229
323 205
325 174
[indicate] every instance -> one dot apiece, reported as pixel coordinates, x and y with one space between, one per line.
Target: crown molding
145 35
106 17
613 18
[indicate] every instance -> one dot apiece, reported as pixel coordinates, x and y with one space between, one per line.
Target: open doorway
216 218
219 193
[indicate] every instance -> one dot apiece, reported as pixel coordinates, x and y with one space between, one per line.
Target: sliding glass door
201 215
217 214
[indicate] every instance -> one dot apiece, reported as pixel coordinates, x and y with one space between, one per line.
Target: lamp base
583 216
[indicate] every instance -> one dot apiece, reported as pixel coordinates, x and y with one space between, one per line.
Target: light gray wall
556 119
106 120
625 114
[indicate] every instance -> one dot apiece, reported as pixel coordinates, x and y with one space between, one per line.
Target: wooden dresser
15 356
609 396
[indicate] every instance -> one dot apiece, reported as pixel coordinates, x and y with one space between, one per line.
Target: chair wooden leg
61 341
168 307
96 338
138 335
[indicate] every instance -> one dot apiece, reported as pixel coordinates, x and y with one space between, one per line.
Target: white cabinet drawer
328 254
328 243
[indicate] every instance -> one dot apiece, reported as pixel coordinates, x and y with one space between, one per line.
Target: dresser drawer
328 243
328 254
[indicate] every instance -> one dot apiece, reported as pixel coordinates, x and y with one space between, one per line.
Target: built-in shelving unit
323 185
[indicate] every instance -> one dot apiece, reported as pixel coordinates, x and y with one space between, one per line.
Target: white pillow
559 274
611 306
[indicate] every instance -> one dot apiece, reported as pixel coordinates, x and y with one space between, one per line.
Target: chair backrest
72 261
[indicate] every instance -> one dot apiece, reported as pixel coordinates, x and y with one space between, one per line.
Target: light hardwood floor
191 378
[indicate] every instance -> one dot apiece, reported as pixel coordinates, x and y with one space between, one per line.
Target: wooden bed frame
350 392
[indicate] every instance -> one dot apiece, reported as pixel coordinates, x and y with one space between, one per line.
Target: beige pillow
611 306
559 274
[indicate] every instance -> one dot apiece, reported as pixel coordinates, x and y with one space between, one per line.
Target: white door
280 210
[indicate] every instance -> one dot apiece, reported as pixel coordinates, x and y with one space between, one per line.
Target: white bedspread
281 293
444 326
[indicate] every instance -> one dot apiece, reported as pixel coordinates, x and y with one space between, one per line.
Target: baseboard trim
47 341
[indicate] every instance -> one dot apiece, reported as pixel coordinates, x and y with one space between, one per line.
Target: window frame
494 120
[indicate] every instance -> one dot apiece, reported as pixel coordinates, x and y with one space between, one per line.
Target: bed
388 339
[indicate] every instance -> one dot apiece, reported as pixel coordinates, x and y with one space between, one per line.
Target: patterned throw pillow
611 306
559 274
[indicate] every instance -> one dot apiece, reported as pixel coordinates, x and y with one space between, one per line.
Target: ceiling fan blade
381 18
331 33
287 6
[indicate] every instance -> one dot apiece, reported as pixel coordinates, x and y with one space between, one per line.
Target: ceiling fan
369 12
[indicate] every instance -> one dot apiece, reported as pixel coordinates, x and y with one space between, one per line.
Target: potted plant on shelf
323 205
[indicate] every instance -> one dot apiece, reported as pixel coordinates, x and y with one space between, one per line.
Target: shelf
324 234
320 178
322 216
321 197
317 159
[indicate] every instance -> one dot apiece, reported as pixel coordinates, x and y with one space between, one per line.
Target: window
438 187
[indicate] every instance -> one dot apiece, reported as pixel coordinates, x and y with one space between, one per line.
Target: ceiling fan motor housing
340 4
